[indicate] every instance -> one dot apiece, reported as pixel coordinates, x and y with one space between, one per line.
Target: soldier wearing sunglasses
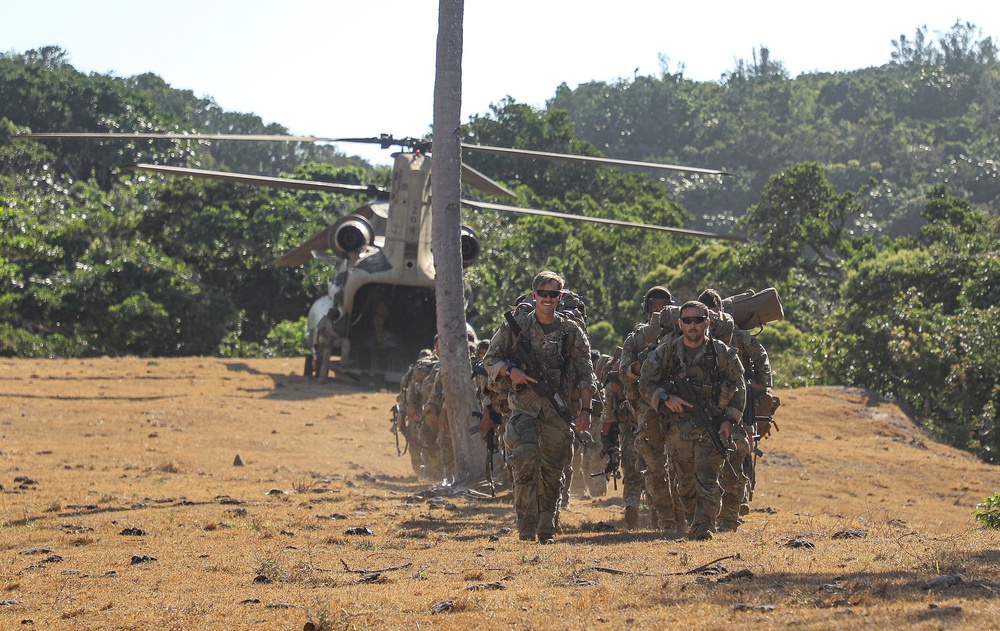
539 442
712 371
735 480
649 439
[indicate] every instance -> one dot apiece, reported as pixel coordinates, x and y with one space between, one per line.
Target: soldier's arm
760 372
584 368
496 359
630 354
733 373
651 377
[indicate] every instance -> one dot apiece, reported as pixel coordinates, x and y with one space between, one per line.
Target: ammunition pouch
741 443
766 403
689 430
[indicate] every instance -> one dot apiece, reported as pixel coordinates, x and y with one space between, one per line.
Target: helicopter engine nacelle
350 235
470 246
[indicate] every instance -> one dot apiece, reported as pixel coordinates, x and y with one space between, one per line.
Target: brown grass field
122 509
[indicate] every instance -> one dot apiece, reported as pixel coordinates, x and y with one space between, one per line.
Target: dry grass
132 446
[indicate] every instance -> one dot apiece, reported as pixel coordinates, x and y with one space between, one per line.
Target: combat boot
631 517
700 532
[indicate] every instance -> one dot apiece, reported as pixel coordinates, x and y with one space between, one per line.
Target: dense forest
871 200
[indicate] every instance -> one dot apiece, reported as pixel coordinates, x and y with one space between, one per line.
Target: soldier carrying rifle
546 356
697 383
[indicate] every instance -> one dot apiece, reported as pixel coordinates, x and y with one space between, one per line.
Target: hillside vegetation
122 509
870 198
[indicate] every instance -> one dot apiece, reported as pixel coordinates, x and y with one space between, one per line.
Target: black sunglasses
694 319
547 293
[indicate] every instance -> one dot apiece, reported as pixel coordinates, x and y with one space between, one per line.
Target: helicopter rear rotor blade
170 136
600 220
546 155
483 183
262 180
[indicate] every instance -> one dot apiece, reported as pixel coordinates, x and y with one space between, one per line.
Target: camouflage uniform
586 456
425 440
436 422
326 340
539 442
409 429
654 441
618 411
714 372
493 400
735 480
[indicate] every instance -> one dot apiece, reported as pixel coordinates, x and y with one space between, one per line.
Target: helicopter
381 291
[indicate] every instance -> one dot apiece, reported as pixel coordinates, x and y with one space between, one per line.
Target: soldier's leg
430 453
447 450
521 437
555 442
323 371
707 465
682 516
409 432
593 463
632 484
413 446
567 477
649 444
683 469
734 481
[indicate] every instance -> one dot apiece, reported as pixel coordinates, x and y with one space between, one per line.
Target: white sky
364 67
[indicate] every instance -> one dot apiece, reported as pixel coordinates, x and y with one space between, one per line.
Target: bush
988 512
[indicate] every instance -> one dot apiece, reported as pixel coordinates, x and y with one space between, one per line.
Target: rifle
750 461
699 411
492 444
610 447
396 416
529 364
752 396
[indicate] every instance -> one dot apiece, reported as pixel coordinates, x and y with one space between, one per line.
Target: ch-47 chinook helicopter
382 290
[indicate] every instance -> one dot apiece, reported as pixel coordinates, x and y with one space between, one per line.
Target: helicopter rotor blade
263 180
547 155
483 183
385 141
170 136
600 220
303 253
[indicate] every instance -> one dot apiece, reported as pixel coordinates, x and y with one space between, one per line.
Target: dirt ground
122 507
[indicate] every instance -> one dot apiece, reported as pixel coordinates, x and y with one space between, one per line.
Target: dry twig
387 569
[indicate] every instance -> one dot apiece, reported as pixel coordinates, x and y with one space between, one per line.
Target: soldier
416 394
586 448
435 416
493 400
710 376
538 435
735 480
408 430
326 341
618 432
653 441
